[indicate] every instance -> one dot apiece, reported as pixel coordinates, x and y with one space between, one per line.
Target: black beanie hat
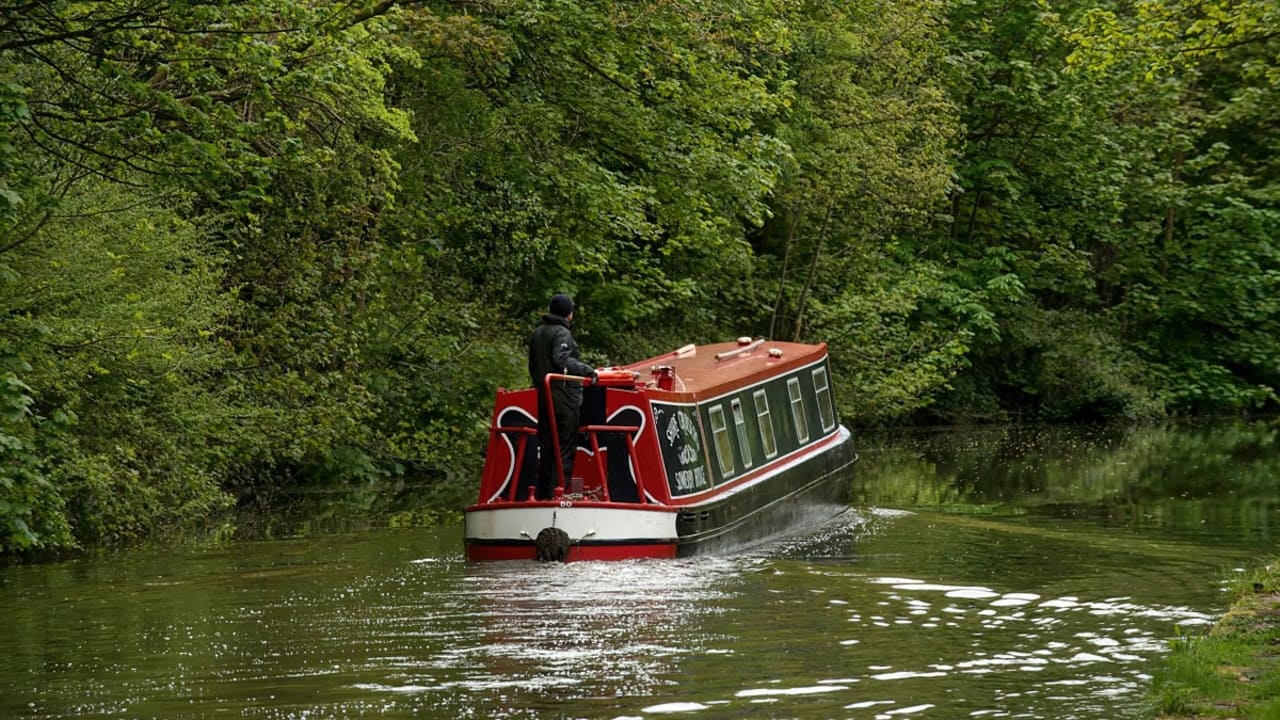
561 305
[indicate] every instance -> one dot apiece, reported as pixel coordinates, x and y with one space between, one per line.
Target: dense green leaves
253 248
1202 304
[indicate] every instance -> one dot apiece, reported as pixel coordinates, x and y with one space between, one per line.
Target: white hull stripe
600 524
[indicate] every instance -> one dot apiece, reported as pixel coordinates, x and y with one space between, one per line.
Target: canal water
984 573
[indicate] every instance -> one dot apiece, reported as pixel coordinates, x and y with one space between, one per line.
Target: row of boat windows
768 441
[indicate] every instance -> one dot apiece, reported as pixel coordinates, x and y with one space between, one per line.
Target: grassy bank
1234 670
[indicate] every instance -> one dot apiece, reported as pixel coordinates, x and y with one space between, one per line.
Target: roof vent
742 348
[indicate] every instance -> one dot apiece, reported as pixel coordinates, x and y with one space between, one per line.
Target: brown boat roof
705 371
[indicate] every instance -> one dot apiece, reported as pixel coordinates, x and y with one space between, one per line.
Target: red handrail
590 430
627 430
555 431
521 444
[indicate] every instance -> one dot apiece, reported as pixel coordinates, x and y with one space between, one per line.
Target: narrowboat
707 448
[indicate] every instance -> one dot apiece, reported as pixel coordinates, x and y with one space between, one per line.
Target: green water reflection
1006 572
1197 480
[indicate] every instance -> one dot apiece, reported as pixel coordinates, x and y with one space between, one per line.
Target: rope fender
552 545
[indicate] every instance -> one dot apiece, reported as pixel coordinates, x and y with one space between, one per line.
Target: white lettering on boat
682 448
691 479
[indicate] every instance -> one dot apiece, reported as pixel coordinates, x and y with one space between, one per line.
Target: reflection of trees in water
1170 475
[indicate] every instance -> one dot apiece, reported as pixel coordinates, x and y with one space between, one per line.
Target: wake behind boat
703 449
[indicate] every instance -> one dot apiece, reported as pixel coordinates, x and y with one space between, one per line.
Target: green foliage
897 344
1110 160
870 129
1070 366
614 152
31 510
13 111
114 315
1201 305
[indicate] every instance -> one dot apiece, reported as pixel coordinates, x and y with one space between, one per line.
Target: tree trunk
813 273
782 281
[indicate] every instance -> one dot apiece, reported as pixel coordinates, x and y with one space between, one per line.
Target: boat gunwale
565 503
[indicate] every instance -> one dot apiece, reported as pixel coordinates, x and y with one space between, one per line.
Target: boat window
797 409
720 435
740 424
766 424
823 390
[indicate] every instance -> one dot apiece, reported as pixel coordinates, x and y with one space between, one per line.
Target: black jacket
553 350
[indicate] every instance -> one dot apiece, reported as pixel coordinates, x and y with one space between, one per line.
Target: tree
112 324
613 151
1202 308
265 126
871 130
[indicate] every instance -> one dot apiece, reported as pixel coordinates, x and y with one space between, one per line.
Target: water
994 573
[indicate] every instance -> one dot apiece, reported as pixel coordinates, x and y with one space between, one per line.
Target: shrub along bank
1233 671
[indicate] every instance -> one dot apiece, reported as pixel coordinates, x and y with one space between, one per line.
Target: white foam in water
926 586
675 707
810 690
973 593
909 710
890 512
393 688
907 674
1015 599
